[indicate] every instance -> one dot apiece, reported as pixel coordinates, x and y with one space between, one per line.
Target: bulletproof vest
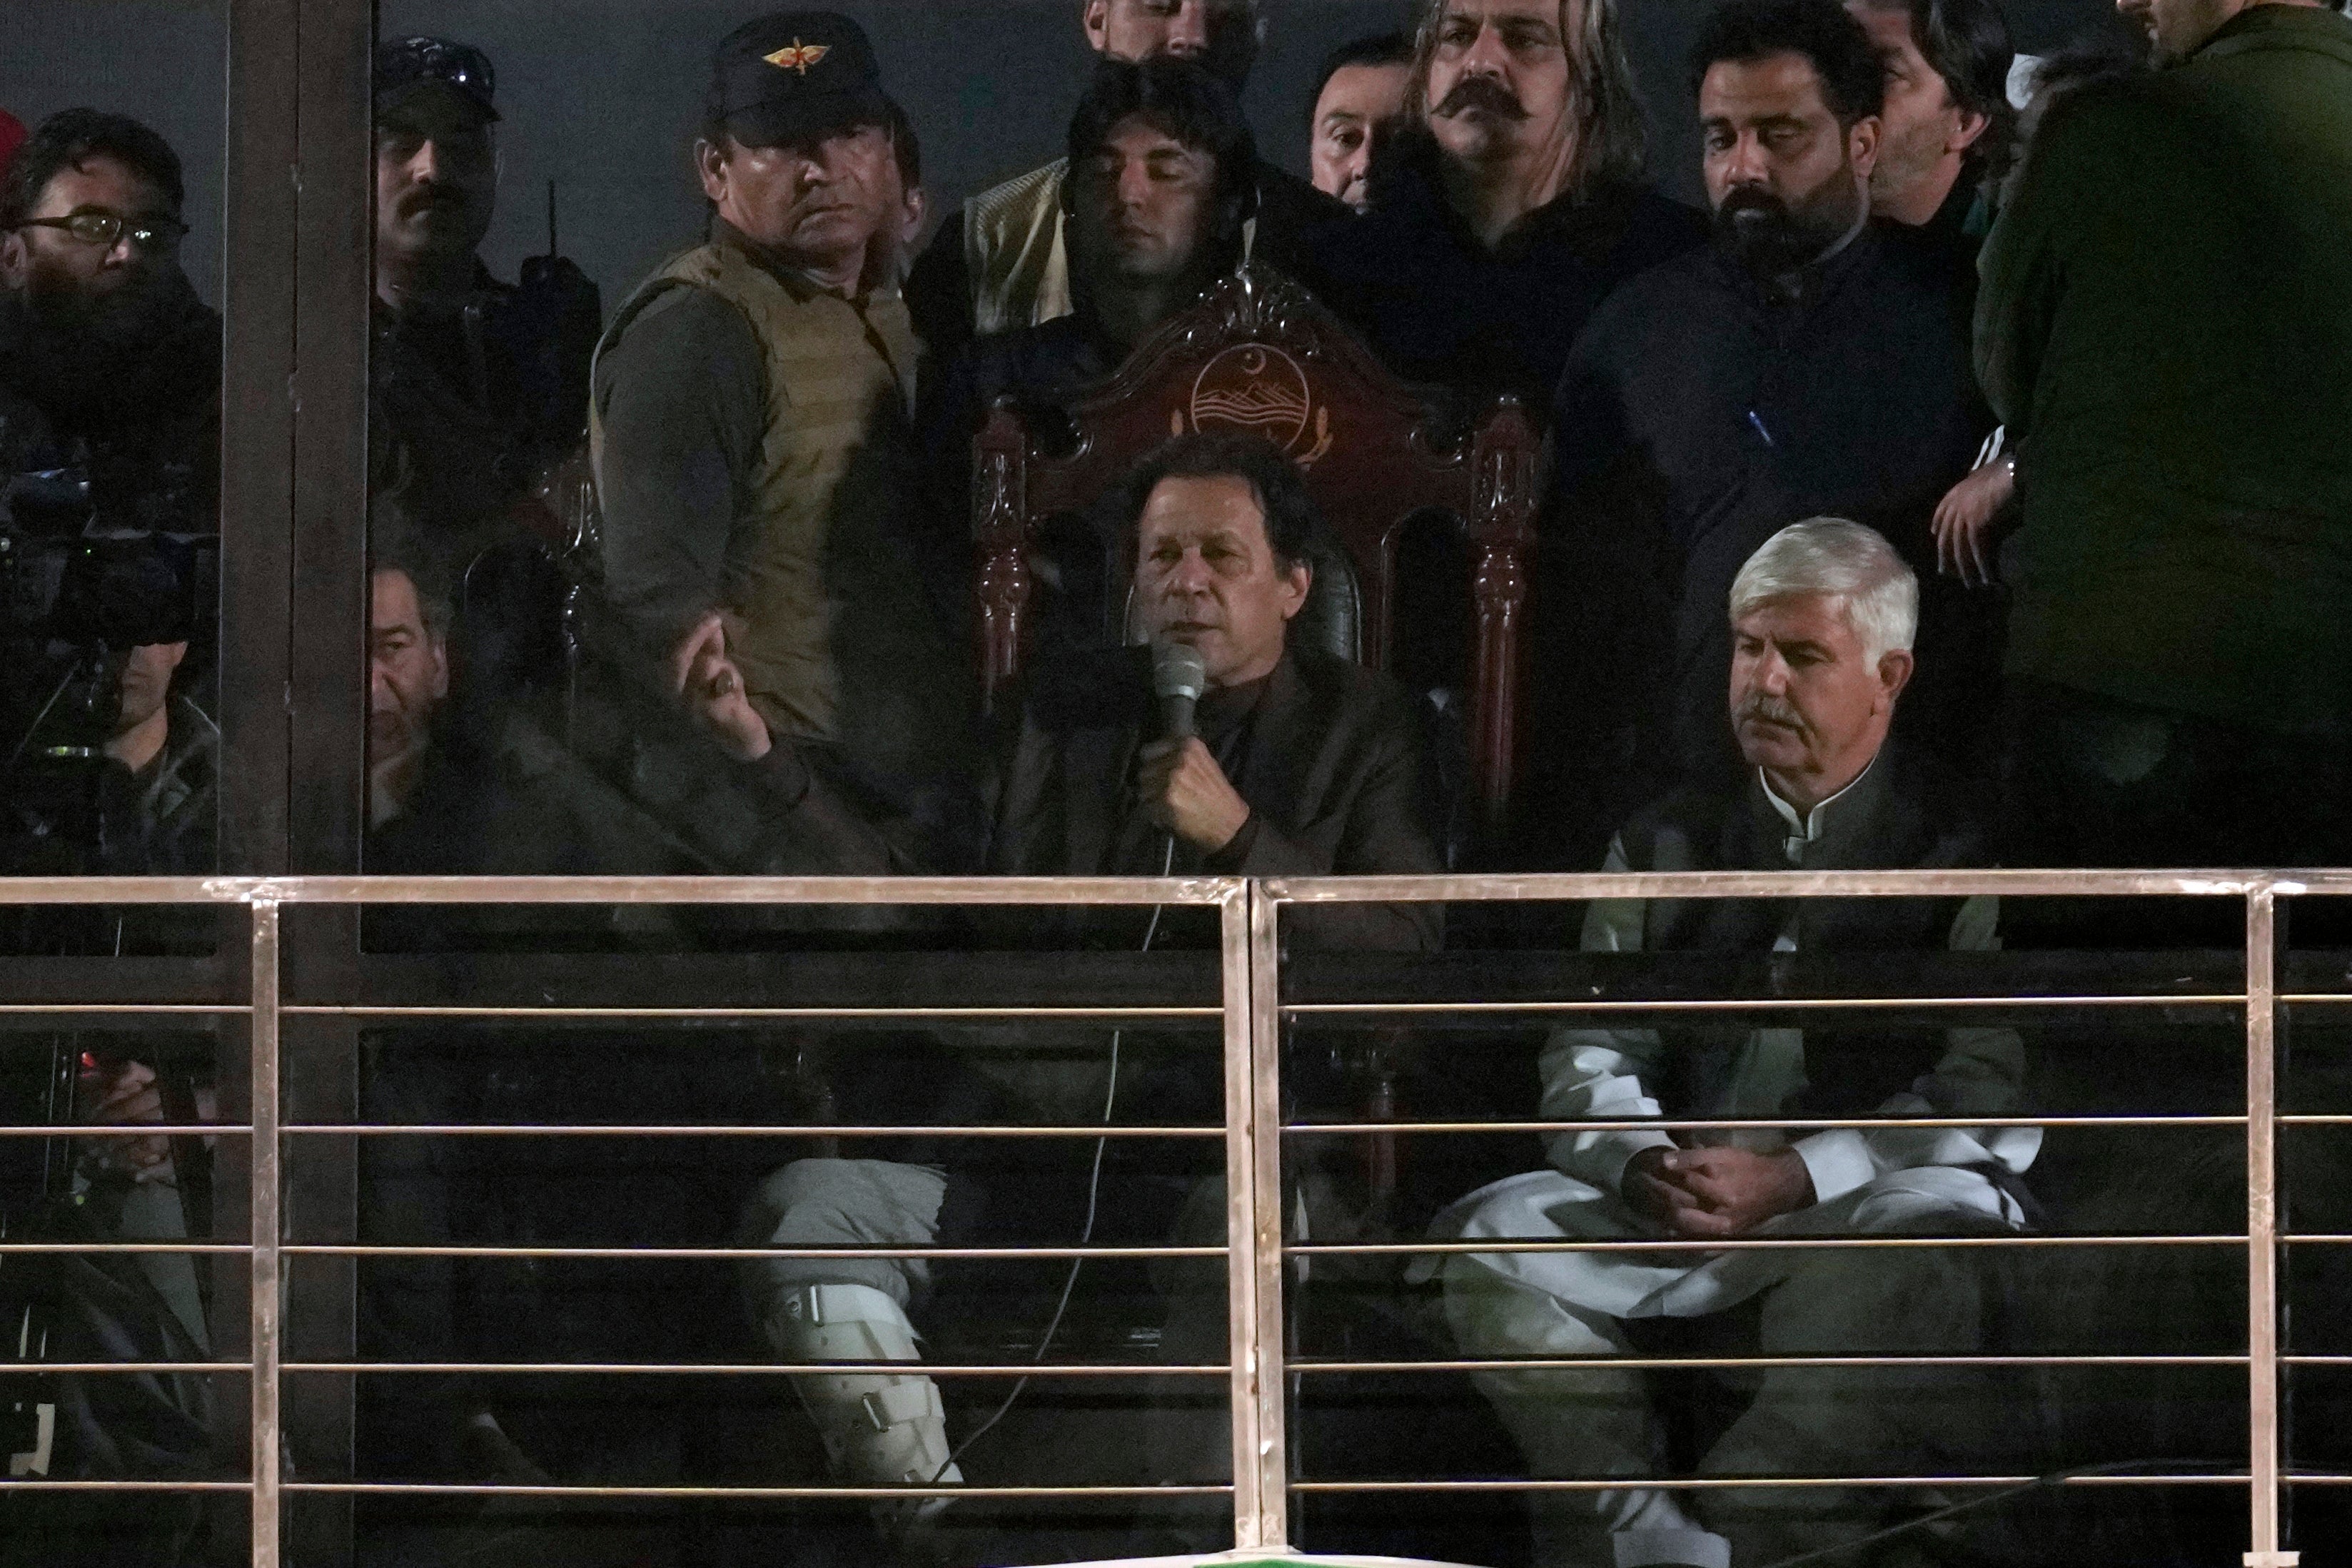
1903 818
833 478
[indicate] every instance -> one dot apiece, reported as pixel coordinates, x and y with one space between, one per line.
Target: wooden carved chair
1259 353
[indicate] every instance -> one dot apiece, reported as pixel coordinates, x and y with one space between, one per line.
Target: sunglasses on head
413 60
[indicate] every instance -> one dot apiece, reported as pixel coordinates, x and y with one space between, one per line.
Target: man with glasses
479 387
100 332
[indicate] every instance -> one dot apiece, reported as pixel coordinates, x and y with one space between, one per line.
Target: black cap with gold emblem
794 74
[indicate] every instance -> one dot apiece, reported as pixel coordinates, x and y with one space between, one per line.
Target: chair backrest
1259 353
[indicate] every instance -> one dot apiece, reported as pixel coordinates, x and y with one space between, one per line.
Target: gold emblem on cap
798 57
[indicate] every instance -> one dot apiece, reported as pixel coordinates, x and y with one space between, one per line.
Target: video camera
78 594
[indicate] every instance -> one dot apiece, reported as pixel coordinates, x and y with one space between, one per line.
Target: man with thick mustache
1510 204
476 387
1811 360
1820 620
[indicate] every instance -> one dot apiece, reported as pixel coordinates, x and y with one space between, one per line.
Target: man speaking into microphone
1292 762
1216 749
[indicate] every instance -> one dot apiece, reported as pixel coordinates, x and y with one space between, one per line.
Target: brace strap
904 1399
821 1304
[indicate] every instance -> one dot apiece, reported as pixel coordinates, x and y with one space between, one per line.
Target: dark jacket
1442 310
1904 813
1332 764
1701 414
471 408
142 423
2165 321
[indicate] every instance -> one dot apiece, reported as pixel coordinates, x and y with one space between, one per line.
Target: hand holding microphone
1180 784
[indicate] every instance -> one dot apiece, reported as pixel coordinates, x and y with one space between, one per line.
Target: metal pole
263 1163
1241 1211
1270 1459
2262 1226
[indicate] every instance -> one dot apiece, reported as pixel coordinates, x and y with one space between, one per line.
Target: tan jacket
1013 253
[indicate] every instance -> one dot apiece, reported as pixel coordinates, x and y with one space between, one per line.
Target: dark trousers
2091 781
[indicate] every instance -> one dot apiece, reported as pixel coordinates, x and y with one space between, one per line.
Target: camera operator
108 767
157 818
101 331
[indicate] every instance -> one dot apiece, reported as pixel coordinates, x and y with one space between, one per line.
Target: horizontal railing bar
1660 1124
1119 1369
760 1369
104 1130
2317 1480
1326 1129
28 1485
28 1368
1566 886
135 1009
729 1253
1754 1004
1747 1244
590 890
1731 1363
878 1494
2316 1361
842 1015
89 1130
69 1247
2316 1239
1732 1483
1107 891
2315 1120
730 1130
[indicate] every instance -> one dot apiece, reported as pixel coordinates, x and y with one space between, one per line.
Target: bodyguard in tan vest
753 438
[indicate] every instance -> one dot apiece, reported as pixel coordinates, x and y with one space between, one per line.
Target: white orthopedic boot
878 1430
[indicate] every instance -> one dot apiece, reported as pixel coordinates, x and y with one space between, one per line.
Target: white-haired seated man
1822 618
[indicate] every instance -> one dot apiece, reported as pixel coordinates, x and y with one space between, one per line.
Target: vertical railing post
2262 1226
1269 1458
264 1165
1241 1212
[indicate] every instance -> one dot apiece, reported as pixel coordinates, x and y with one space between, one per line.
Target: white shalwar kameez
1594 1423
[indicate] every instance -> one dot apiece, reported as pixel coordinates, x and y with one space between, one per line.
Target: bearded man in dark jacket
1812 360
101 331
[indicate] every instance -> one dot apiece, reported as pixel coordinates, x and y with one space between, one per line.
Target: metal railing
1253 1015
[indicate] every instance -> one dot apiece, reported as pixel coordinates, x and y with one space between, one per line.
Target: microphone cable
1093 1200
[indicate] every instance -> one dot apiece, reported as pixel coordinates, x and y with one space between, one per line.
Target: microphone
1179 676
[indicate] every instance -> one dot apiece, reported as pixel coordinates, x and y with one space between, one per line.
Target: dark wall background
601 95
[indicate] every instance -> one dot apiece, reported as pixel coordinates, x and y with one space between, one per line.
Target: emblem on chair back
1260 388
1259 353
